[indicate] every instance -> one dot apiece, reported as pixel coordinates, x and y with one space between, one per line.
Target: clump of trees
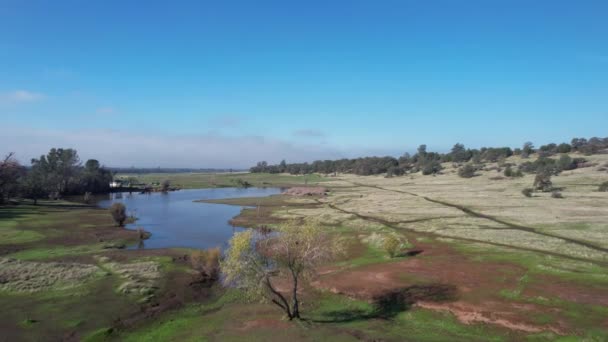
53 175
527 192
119 213
10 173
429 163
254 260
603 187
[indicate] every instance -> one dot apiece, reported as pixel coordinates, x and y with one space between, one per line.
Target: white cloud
20 96
126 148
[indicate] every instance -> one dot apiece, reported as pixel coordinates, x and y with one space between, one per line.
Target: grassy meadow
478 261
222 180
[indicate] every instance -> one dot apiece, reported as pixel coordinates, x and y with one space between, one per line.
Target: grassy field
213 180
489 265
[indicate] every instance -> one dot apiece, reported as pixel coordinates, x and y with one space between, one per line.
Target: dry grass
582 214
139 278
28 276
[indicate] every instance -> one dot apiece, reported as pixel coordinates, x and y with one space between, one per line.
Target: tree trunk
296 305
282 303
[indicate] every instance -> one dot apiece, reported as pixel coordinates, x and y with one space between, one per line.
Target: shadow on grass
391 303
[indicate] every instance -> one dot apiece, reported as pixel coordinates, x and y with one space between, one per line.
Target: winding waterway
175 220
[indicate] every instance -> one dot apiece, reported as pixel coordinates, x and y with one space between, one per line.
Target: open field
479 262
218 180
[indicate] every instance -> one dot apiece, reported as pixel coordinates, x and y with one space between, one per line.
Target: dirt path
470 212
395 225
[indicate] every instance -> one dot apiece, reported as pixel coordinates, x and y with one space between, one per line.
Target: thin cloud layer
309 133
122 148
20 96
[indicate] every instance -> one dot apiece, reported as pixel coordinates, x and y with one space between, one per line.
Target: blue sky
226 83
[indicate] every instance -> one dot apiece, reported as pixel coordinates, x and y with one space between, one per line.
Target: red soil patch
264 323
478 287
306 191
497 313
545 286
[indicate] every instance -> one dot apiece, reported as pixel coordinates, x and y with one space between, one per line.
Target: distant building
116 184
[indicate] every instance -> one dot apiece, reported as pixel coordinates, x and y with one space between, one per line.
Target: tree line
56 174
430 162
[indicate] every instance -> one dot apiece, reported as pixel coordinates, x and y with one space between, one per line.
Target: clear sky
226 83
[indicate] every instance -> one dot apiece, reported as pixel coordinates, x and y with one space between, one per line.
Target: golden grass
582 214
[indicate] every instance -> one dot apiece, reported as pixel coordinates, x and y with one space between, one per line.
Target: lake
175 220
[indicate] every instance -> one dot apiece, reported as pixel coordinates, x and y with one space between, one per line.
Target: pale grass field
581 215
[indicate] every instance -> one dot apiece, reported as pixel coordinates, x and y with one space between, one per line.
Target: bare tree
255 260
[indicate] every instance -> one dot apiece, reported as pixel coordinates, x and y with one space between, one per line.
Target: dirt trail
494 219
395 225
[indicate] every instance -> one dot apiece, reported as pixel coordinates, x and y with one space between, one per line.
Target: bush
431 167
542 181
603 187
391 245
527 192
466 171
207 262
556 194
242 183
119 213
566 163
165 186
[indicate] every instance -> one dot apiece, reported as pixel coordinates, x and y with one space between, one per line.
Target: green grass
212 180
16 236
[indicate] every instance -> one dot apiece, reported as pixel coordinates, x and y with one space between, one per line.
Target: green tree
391 245
542 181
35 185
254 260
61 168
527 150
119 213
10 173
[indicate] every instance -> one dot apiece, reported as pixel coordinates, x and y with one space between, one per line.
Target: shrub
165 185
542 181
510 173
566 163
431 167
119 213
527 192
466 171
207 262
603 187
391 245
556 194
242 183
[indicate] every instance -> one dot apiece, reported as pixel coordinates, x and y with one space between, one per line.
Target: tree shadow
409 253
389 304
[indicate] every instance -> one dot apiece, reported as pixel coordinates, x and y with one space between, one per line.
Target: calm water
176 221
